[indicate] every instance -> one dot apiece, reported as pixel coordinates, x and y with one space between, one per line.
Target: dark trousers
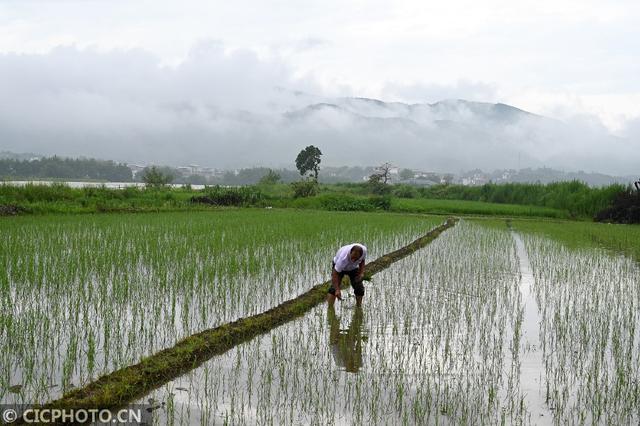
358 286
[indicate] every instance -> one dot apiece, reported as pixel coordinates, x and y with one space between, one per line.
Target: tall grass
62 199
575 197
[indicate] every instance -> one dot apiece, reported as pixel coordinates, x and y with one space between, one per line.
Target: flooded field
589 332
488 324
483 326
84 295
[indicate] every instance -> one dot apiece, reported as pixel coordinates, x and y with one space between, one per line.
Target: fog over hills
235 110
450 135
456 134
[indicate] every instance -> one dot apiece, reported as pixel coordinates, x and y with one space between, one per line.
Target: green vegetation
623 239
84 295
59 198
588 305
432 345
156 177
575 197
243 196
308 161
253 176
304 188
271 178
625 208
122 386
498 326
65 168
446 337
424 205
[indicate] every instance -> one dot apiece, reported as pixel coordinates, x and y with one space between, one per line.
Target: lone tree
384 171
376 186
308 160
155 177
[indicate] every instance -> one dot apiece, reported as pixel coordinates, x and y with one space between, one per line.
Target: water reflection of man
346 345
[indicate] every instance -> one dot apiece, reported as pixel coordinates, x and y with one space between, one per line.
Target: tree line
65 168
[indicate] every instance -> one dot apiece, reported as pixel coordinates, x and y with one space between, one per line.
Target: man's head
356 253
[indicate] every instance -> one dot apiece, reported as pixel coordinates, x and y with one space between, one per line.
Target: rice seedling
589 301
81 296
486 326
432 345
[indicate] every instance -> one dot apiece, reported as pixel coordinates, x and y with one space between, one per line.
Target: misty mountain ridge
448 109
451 110
446 136
457 134
235 111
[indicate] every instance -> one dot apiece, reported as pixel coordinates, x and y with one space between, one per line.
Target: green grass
423 205
60 198
348 202
40 199
623 239
587 299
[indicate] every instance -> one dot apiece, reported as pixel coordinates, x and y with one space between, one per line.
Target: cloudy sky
102 64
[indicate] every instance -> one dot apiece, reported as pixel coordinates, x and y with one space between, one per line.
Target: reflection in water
346 345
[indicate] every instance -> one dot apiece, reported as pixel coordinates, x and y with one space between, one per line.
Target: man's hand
338 294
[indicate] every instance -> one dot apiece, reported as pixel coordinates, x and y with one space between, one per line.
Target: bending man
349 260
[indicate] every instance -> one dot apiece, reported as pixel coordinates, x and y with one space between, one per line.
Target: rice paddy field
84 295
494 322
487 325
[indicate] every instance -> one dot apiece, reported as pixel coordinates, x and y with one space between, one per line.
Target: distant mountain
454 135
445 137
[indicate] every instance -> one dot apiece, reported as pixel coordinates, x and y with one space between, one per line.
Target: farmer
349 260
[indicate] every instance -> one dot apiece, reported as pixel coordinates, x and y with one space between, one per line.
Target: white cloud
133 64
125 104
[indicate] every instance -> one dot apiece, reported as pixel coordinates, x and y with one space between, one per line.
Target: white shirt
343 258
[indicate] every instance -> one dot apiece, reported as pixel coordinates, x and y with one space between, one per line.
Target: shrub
404 191
625 208
381 202
377 186
242 196
304 188
155 176
344 202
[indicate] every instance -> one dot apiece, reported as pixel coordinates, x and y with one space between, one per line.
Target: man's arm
361 270
335 281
